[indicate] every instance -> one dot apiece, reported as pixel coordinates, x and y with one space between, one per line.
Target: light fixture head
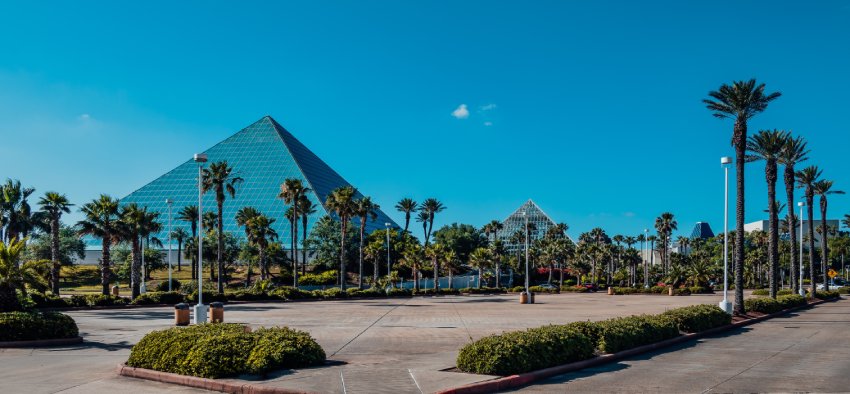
200 157
169 201
725 160
801 204
387 224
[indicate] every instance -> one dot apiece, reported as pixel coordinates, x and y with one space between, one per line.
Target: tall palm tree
260 232
291 191
189 214
741 101
806 179
305 208
15 211
341 201
768 145
221 179
180 235
137 223
364 208
641 238
436 253
793 153
102 221
823 188
53 205
480 258
407 206
422 217
665 224
243 215
431 206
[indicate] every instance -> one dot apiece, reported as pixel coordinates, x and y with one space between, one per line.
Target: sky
591 109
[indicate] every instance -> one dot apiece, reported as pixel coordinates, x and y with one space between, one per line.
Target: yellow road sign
832 273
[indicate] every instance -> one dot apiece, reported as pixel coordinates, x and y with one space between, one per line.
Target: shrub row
219 350
543 347
770 305
764 292
827 295
540 289
28 326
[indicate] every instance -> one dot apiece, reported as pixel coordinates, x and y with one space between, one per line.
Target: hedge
764 292
770 305
540 289
97 300
522 351
483 290
324 278
29 326
219 350
697 318
163 286
159 297
48 300
827 295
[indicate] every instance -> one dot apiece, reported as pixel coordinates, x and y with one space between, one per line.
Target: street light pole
388 252
646 259
169 202
725 304
527 291
200 309
801 204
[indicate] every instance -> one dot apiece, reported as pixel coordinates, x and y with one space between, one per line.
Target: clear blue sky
591 109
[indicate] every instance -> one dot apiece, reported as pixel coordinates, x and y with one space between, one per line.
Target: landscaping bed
17 327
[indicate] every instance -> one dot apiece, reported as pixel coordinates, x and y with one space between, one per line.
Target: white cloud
461 112
84 117
488 107
488 123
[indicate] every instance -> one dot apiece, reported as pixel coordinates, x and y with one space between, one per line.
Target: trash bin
523 298
115 291
531 297
670 290
610 290
181 314
216 312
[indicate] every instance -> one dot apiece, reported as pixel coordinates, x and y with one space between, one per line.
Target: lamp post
725 304
527 291
801 204
645 259
169 202
200 309
388 252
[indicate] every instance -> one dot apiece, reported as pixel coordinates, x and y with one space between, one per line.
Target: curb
42 342
201 383
513 381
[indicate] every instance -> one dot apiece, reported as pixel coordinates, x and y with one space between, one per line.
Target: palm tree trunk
810 199
304 246
179 254
789 194
292 252
551 268
824 259
360 250
105 273
480 271
295 244
773 231
416 277
451 280
740 140
436 263
219 260
195 255
342 254
54 254
136 268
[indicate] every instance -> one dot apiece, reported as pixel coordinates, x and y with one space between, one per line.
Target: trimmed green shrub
570 282
827 295
517 289
163 286
540 289
761 292
769 305
291 293
701 290
97 300
218 350
209 296
48 301
626 290
324 278
396 292
682 292
371 292
844 290
785 292
249 295
483 290
159 297
575 289
29 326
523 351
696 318
330 294
629 332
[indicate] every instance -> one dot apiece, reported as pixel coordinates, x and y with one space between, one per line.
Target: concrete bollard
115 291
216 312
181 315
670 290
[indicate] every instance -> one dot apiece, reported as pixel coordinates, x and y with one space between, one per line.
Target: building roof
702 230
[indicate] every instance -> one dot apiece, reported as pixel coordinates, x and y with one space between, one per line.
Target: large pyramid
264 154
516 222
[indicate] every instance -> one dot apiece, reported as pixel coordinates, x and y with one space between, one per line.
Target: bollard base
726 306
199 314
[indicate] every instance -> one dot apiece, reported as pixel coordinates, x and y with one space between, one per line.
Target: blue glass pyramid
264 154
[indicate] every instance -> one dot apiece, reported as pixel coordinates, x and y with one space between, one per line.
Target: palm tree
341 201
102 221
412 257
53 205
291 191
137 223
806 178
260 232
846 220
364 208
180 235
305 208
641 238
768 145
422 217
823 188
740 101
189 214
243 215
436 253
15 211
794 152
220 178
16 276
408 206
431 206
480 258
665 224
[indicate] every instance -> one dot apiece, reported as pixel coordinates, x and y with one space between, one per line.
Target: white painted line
343 382
414 381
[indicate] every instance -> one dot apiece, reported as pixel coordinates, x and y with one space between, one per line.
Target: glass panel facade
516 222
264 154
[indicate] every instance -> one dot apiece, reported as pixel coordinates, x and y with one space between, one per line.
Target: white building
762 225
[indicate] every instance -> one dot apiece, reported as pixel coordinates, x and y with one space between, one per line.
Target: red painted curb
507 382
42 342
202 383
